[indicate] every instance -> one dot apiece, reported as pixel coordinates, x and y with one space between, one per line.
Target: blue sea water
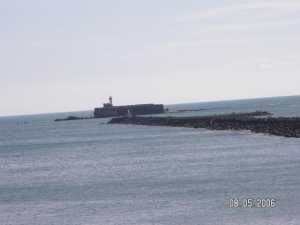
88 172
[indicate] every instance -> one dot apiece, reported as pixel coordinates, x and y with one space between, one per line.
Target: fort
109 110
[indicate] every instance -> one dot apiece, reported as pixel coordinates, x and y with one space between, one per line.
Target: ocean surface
90 173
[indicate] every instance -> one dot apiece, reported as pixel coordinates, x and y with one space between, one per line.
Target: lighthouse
109 104
110 100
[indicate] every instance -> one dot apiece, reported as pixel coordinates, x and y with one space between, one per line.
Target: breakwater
258 122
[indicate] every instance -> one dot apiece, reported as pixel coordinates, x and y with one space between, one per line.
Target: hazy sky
64 55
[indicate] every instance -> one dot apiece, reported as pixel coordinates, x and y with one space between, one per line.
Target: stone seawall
283 126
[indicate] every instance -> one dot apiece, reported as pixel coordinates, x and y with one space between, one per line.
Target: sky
68 55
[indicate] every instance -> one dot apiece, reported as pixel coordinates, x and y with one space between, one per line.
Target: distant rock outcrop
73 118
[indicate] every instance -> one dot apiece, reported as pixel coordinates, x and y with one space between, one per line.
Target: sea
88 172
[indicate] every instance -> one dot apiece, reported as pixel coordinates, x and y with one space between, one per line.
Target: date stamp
252 203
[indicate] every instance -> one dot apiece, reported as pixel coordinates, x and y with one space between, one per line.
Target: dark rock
73 118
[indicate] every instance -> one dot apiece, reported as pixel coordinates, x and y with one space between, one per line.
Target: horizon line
179 103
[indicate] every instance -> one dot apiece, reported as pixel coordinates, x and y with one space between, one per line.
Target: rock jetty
258 122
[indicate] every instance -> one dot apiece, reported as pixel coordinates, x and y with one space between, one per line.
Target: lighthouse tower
109 104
